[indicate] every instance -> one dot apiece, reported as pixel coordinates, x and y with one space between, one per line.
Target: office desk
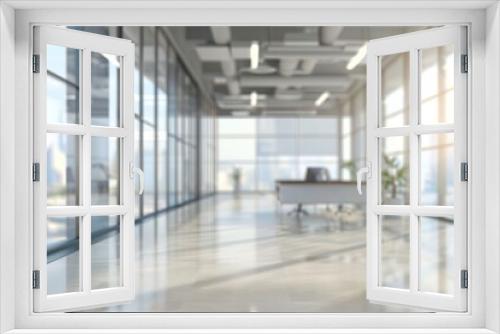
322 192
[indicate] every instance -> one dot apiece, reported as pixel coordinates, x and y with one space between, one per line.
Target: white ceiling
297 64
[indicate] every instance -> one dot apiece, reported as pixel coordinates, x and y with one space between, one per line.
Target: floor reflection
246 254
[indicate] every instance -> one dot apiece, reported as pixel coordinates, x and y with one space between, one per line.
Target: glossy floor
246 254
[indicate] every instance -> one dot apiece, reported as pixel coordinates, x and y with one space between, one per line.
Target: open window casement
83 170
417 153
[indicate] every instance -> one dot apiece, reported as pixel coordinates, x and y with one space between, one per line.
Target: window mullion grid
85 174
414 171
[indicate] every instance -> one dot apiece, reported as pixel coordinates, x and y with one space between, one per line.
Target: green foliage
351 167
394 175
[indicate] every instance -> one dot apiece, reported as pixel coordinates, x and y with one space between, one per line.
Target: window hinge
465 64
36 63
36 279
464 171
36 172
464 279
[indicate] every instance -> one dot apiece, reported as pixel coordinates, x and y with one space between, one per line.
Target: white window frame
86 44
484 49
412 44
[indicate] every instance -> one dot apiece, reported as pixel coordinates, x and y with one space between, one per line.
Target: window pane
436 85
162 99
137 162
318 126
105 252
134 34
269 173
149 169
63 84
237 126
180 171
436 254
172 95
63 255
105 171
172 174
394 102
395 176
395 252
436 169
62 169
277 149
105 89
318 147
162 166
148 77
277 126
237 149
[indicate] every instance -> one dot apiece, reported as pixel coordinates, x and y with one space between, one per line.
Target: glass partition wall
174 130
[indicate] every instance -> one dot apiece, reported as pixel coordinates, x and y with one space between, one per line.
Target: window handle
136 170
359 176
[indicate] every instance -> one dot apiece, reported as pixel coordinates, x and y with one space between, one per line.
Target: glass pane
277 126
395 252
268 174
105 252
395 171
318 126
105 172
237 149
172 171
162 100
394 99
436 169
149 169
436 85
236 126
148 77
63 84
63 255
62 169
436 254
172 92
277 149
105 90
180 179
134 34
325 147
137 162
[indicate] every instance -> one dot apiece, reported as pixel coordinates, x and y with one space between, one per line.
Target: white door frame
316 13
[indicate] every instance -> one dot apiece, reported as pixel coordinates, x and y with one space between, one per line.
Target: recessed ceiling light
357 58
254 55
322 98
253 99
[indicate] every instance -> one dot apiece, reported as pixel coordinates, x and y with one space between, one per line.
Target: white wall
7 175
492 165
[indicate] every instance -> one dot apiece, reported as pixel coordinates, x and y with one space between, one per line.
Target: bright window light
357 58
322 98
112 59
254 55
253 99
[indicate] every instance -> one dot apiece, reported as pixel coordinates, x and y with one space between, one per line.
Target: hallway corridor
245 254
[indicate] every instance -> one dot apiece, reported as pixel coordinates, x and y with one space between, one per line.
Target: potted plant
394 180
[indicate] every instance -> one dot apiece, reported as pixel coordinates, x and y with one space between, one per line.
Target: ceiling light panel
254 55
